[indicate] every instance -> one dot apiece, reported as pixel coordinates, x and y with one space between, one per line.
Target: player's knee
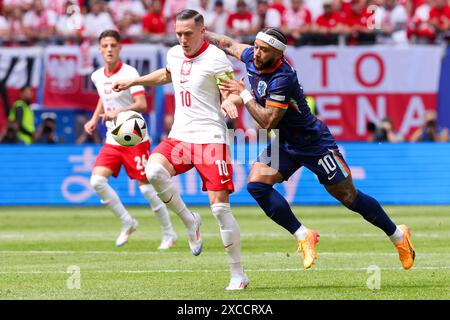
156 173
98 182
348 198
258 189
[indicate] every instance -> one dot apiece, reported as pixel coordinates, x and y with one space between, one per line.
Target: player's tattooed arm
267 117
228 45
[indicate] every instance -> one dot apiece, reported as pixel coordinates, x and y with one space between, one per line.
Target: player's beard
266 65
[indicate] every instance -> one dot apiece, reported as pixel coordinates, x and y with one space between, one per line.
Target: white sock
110 198
158 207
301 233
230 234
161 180
397 236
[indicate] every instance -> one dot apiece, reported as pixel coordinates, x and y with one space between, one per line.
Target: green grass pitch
38 245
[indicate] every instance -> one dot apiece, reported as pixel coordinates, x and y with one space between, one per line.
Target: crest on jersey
262 87
107 87
186 68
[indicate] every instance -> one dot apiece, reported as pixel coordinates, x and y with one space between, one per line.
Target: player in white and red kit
199 135
112 155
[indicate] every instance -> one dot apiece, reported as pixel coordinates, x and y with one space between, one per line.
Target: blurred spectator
315 7
23 5
218 23
128 27
430 131
46 132
392 19
297 21
170 9
17 28
11 134
58 6
230 5
154 23
383 132
22 116
4 27
39 22
69 24
328 25
82 135
279 6
420 29
265 17
119 7
356 19
312 105
203 7
98 16
440 16
239 23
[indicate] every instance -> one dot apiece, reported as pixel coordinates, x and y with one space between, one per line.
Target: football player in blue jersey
277 101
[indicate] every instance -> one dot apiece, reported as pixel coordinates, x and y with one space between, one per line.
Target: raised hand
232 85
121 85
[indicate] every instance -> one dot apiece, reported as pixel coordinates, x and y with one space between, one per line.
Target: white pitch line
222 271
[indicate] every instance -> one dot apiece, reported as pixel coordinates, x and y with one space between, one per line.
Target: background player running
112 155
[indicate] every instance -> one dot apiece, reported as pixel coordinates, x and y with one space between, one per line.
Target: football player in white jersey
198 137
112 155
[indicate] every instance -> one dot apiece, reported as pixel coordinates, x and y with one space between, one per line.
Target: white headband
267 38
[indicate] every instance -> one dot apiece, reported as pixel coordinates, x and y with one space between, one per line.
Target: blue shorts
329 166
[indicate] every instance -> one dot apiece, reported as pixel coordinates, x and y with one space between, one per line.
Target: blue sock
274 205
371 211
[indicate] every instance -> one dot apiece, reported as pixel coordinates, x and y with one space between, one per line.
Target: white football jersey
198 118
111 99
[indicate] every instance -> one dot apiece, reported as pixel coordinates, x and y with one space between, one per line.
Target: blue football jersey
299 129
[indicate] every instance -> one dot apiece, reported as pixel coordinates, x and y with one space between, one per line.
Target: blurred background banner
393 173
351 85
18 68
68 72
354 85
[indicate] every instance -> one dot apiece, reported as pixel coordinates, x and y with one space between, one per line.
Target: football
129 128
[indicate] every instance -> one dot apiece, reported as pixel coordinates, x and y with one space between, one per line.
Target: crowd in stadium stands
307 22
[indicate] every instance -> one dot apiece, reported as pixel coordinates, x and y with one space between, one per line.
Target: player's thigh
213 163
134 160
330 167
174 155
102 171
273 166
261 172
108 161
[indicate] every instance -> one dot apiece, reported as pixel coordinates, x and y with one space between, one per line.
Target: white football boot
168 240
194 239
238 282
125 233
